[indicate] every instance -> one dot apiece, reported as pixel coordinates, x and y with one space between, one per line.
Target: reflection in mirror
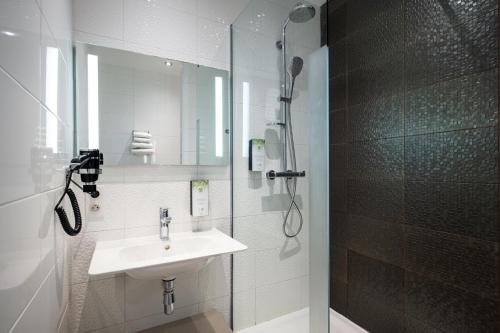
141 110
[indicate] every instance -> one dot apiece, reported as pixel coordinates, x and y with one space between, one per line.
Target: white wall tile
221 305
220 10
279 299
112 212
145 298
104 18
281 264
160 319
43 313
219 198
49 248
143 202
244 271
92 38
57 14
97 304
215 278
20 42
213 41
244 309
63 326
33 247
155 23
20 173
20 249
188 6
120 328
188 30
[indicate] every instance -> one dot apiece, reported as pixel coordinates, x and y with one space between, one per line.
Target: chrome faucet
164 224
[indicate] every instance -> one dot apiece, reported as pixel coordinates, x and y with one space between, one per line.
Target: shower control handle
285 174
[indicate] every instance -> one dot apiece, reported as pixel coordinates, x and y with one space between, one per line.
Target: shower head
296 67
302 12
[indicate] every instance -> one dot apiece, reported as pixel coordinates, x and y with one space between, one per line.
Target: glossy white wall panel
104 18
19 131
279 299
220 304
281 264
144 298
221 10
58 15
33 246
213 41
155 23
20 42
165 28
215 278
159 319
97 304
43 313
244 309
143 201
20 257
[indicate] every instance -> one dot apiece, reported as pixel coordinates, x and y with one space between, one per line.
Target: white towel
141 140
138 151
141 145
138 134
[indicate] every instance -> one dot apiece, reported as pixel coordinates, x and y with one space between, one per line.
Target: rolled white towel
141 140
138 134
138 151
141 145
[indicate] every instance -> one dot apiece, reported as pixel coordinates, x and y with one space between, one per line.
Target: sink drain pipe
168 295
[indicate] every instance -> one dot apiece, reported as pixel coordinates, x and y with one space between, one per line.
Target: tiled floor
298 322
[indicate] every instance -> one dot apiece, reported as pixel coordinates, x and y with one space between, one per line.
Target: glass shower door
280 284
319 262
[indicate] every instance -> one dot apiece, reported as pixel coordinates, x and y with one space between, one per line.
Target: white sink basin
150 258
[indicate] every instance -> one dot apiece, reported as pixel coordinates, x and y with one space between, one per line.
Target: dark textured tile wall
414 164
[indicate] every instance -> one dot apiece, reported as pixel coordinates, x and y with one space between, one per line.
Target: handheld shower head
296 67
302 12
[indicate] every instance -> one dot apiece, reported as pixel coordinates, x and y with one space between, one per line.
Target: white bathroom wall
129 204
36 135
271 278
195 31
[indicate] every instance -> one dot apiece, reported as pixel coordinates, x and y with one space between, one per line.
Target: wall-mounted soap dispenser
257 155
199 197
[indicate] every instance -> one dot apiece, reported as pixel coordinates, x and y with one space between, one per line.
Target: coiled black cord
63 217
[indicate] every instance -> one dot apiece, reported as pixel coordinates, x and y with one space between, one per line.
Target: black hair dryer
88 166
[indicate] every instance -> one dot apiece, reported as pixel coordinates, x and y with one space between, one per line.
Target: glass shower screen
280 100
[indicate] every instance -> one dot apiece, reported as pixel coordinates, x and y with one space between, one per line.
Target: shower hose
291 183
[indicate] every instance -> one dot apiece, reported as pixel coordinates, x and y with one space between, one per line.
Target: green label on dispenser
257 155
199 197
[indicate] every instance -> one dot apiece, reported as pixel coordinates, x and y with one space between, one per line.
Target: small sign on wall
257 154
199 197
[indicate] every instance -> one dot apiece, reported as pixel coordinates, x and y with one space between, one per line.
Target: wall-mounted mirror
142 110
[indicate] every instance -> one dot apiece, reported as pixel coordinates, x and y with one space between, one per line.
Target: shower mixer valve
285 174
